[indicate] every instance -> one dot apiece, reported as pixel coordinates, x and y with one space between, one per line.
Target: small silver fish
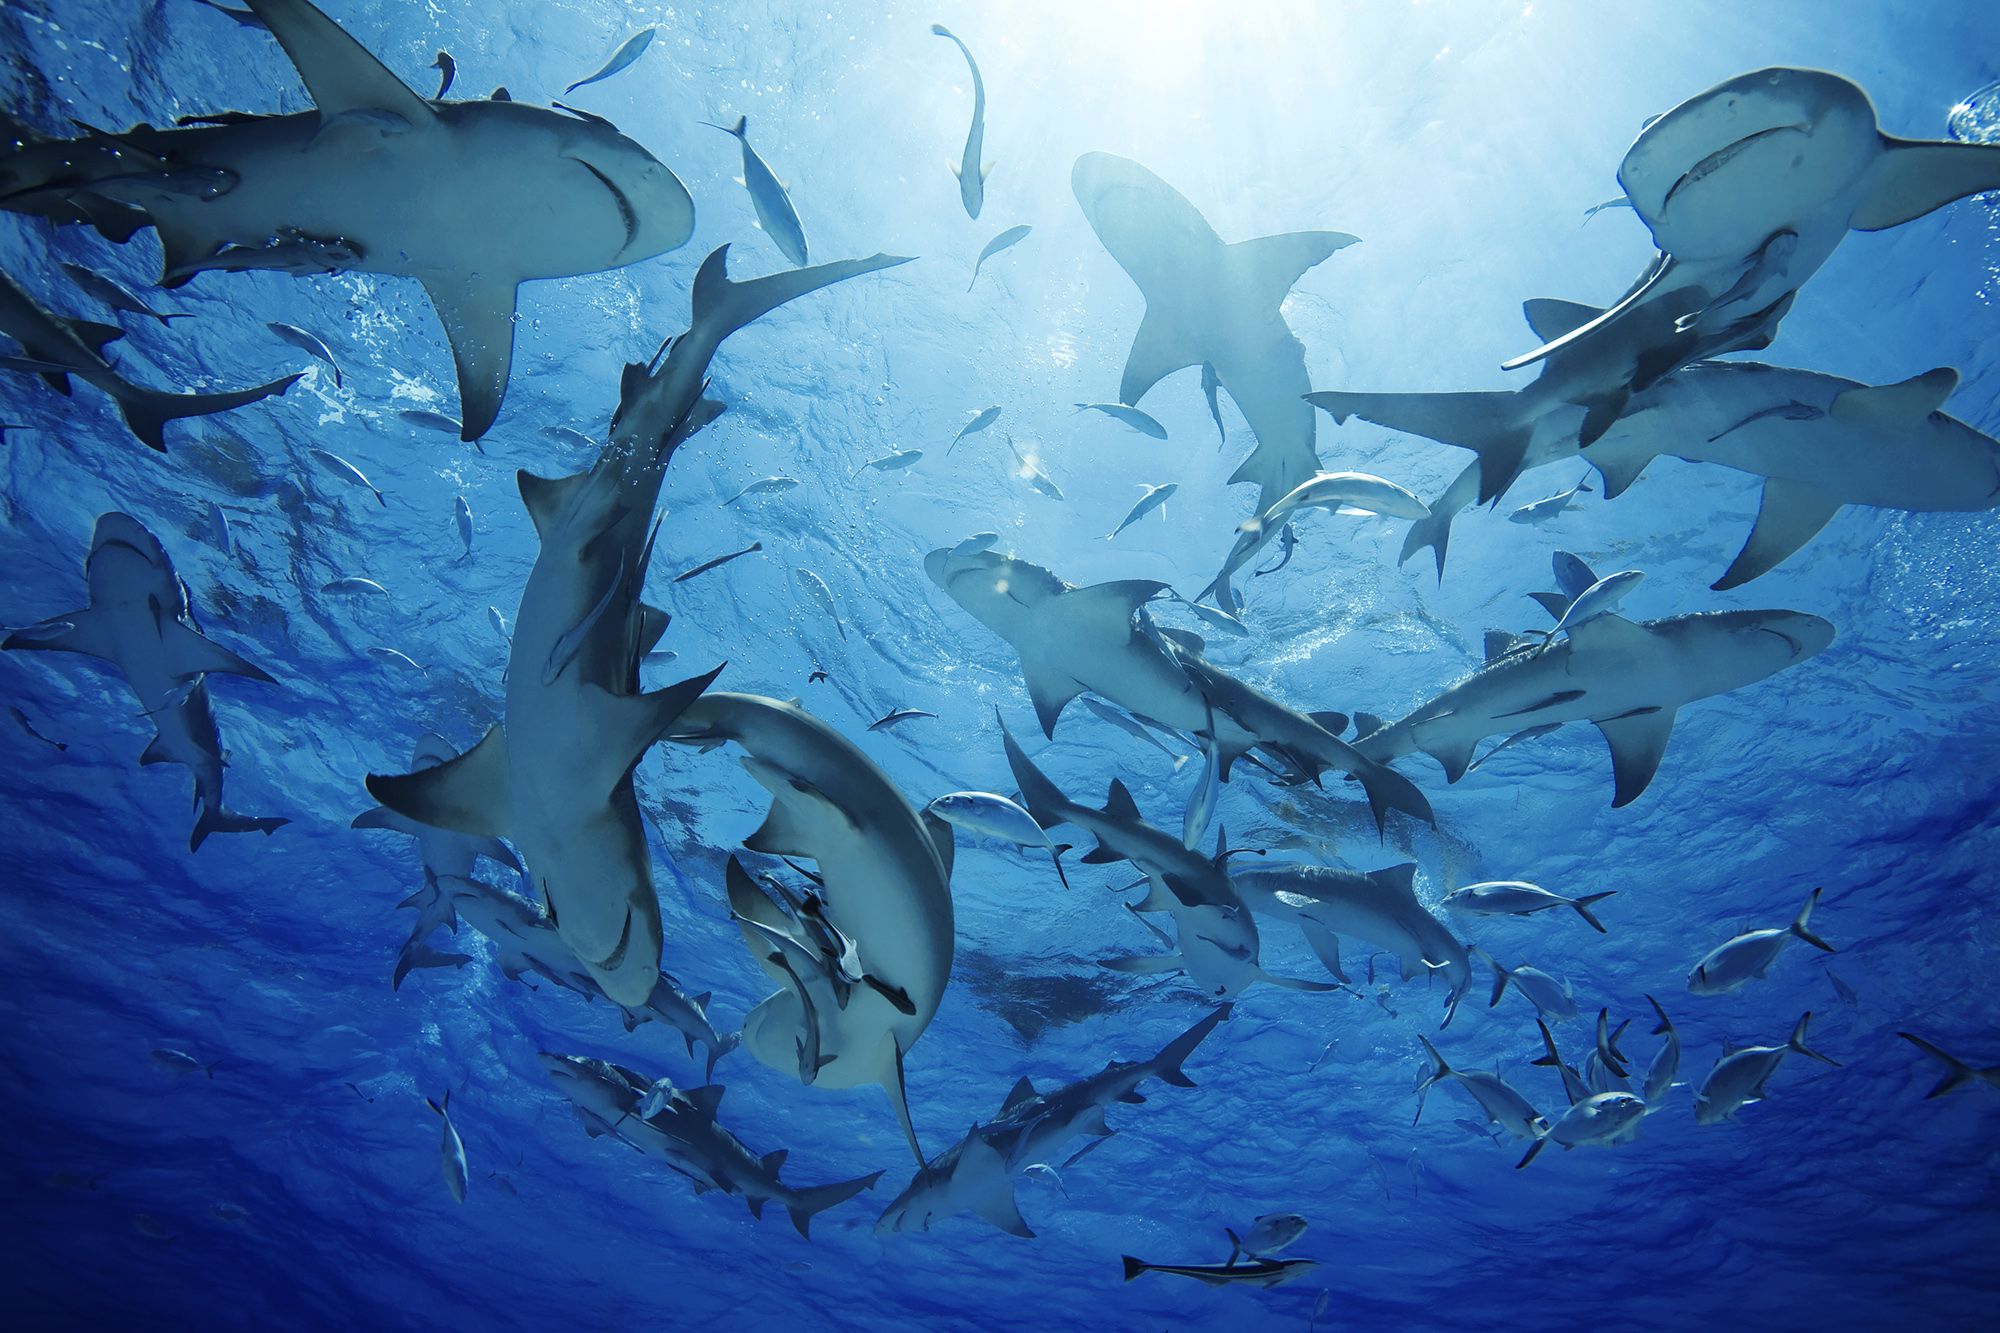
21 720
1154 498
462 513
447 69
307 343
431 420
892 462
980 421
499 623
718 562
1130 416
218 529
1006 240
816 588
762 486
978 541
182 1063
353 585
628 51
113 294
395 658
895 715
337 466
564 435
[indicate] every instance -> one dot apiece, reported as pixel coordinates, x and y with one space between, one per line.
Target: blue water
1462 142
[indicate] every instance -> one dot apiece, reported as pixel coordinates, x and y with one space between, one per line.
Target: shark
976 1174
885 886
1752 185
1212 304
470 198
527 944
57 348
1378 907
1074 639
554 775
140 619
1629 678
1820 442
1218 943
684 1133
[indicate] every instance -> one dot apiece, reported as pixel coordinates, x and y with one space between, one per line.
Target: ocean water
297 1181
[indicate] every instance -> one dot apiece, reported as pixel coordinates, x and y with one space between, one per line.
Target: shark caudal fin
1434 529
1439 1072
1957 1073
722 305
1493 424
214 819
1134 1267
147 411
1583 906
1797 1042
1798 926
1167 1064
802 1204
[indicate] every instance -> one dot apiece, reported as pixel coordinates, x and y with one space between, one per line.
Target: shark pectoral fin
1000 1209
495 850
338 71
478 318
1792 512
187 653
92 334
1912 178
469 794
1453 752
1325 946
1637 741
1050 689
1267 267
652 627
1885 406
375 818
1158 350
156 752
1618 463
1146 966
624 726
1552 319
783 833
82 631
1296 983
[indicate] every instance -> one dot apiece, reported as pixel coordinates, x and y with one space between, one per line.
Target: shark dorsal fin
1022 1093
1107 607
705 1099
338 71
771 1161
1118 802
1502 642
1899 404
1607 632
1551 319
1184 639
1367 724
1400 879
1335 723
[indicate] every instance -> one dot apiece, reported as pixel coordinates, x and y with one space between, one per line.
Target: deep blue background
1462 142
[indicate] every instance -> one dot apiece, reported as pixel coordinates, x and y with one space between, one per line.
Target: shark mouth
1722 157
1790 642
626 213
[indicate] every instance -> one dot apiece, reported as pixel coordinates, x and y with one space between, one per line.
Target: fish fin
1552 319
478 318
1002 1211
336 69
1791 514
1167 1064
1618 461
92 334
1505 642
84 631
1043 799
1885 406
1911 178
1797 1042
1583 905
1489 423
1158 350
188 653
772 1161
1335 723
377 817
1367 724
803 1204
723 306
1325 946
707 1099
1572 575
1454 754
1637 742
1134 1267
1050 689
1022 1093
1555 603
1107 608
653 624
1118 802
622 727
214 819
1298 983
1534 1150
1798 926
549 500
1147 965
147 411
468 794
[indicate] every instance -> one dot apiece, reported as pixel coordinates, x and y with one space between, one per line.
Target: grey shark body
684 1134
1213 304
1075 639
139 620
1628 678
977 1173
555 775
885 875
470 198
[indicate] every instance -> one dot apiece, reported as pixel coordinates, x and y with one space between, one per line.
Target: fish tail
1805 914
1583 905
147 411
1439 1072
215 819
802 1204
1798 1042
1167 1064
1134 1267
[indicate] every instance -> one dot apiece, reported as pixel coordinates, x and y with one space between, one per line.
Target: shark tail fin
147 411
1584 904
215 819
1439 1072
723 306
804 1203
1389 790
1134 1267
1167 1064
1956 1072
1490 423
1798 926
1797 1042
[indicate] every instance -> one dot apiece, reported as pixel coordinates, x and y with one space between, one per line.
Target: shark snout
1807 635
938 565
